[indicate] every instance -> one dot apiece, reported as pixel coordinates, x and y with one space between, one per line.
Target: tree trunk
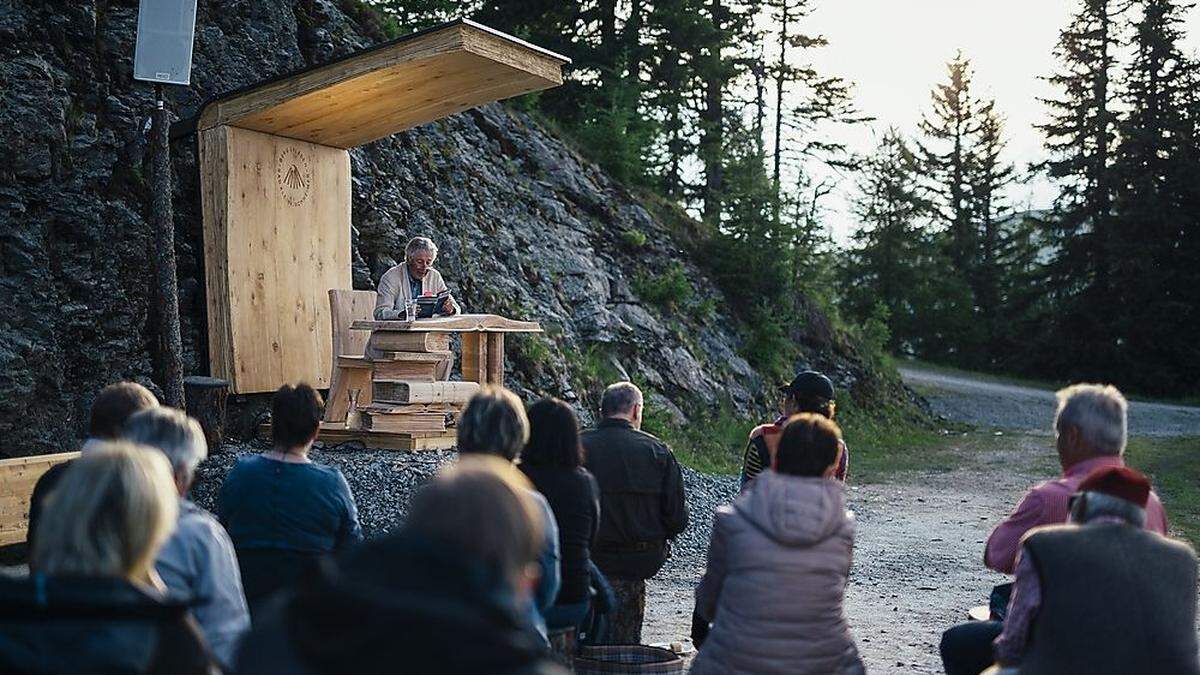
206 402
167 287
712 120
780 78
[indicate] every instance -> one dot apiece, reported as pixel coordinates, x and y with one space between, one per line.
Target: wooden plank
214 206
281 243
410 342
474 357
18 476
416 357
402 391
495 359
334 434
345 382
396 86
460 323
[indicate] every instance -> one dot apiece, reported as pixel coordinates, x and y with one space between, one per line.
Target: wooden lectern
392 398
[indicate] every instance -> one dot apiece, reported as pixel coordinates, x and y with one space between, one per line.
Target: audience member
112 407
808 392
445 594
1102 594
94 603
282 510
494 423
642 504
1090 432
553 461
198 561
778 562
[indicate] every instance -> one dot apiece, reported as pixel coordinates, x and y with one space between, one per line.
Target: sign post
164 55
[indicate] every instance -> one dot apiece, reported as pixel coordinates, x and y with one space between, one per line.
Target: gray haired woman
411 279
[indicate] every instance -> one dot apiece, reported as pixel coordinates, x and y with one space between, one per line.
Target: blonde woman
94 602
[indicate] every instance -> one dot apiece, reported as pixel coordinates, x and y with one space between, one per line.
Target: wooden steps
334 433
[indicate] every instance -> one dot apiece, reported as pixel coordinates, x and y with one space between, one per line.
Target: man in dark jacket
642 504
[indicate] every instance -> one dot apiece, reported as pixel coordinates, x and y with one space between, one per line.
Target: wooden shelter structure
276 185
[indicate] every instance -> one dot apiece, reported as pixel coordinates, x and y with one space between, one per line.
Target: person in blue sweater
282 510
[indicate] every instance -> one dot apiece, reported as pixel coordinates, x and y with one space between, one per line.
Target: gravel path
1008 406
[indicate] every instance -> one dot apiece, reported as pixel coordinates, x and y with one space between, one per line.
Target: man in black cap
808 392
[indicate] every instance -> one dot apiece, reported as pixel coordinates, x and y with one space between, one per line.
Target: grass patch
712 442
879 444
887 441
1172 465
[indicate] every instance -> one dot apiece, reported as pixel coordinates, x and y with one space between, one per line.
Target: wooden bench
17 479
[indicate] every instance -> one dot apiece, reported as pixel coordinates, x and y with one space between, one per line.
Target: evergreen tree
1079 139
951 128
1157 185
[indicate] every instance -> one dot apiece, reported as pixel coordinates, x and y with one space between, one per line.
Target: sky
895 51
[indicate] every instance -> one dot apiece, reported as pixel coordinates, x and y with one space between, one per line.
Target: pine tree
951 128
1079 140
1156 188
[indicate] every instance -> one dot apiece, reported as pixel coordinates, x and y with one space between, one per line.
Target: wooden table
482 339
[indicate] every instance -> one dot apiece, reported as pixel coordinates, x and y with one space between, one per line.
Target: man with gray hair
642 504
401 285
198 562
404 283
1090 431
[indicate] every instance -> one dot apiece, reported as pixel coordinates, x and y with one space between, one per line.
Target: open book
429 304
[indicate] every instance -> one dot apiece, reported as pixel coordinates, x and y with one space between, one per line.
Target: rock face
526 226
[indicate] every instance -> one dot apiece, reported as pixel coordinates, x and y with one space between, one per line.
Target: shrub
633 239
667 290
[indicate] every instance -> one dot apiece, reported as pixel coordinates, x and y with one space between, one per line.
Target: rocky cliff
526 226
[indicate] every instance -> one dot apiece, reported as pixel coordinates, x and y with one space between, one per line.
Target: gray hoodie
777 568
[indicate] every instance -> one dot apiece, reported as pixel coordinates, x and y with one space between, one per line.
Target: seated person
443 594
410 280
283 511
494 423
407 281
93 602
553 461
197 562
778 562
809 392
1123 598
1090 433
115 404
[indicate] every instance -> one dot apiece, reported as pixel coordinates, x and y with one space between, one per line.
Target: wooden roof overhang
394 86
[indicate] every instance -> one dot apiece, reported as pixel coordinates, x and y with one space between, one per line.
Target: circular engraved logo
293 172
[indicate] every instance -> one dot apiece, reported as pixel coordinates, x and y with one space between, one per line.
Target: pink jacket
777 568
1048 503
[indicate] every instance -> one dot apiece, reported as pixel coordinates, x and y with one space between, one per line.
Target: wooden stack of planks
408 408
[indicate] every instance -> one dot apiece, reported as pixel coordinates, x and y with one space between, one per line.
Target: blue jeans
561 616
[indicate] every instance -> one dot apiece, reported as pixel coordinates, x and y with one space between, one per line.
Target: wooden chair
351 368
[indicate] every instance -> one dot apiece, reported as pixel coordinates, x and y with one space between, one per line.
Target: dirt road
919 543
993 404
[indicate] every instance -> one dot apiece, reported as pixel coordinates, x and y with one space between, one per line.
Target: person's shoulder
764 430
330 474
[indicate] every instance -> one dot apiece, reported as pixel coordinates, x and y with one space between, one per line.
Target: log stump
205 398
